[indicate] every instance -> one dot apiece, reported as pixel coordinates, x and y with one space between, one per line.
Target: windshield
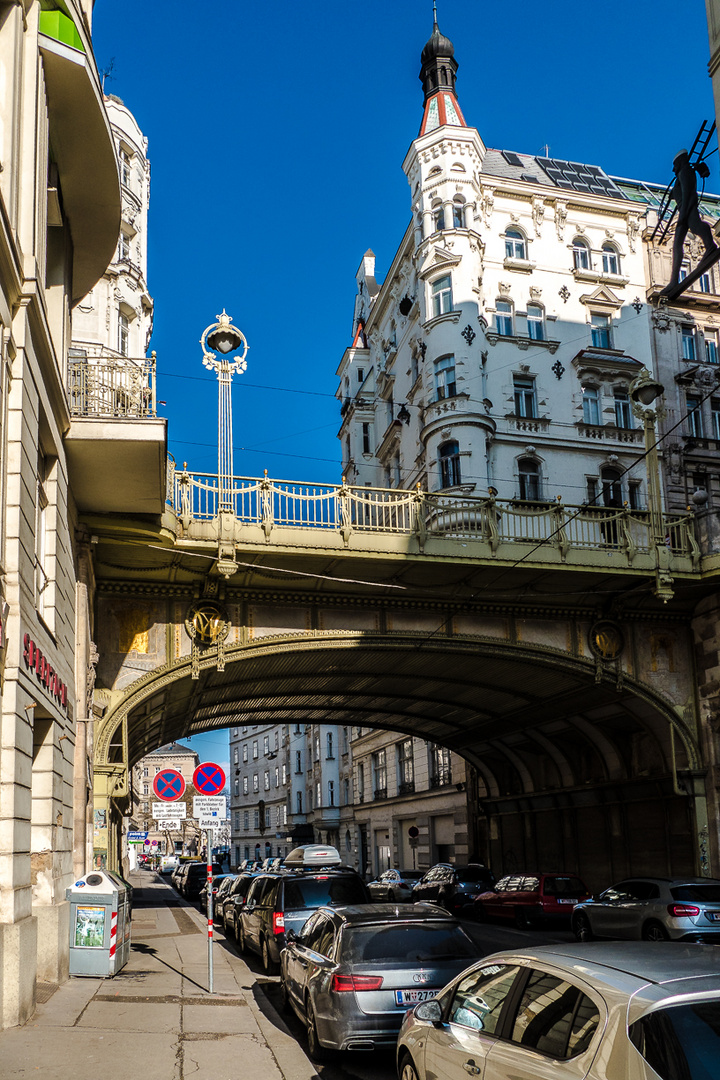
316 892
473 873
412 942
564 886
681 1043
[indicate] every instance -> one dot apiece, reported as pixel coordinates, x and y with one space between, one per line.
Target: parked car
231 904
178 875
352 971
455 887
394 885
168 863
597 1011
284 901
531 899
195 878
217 883
654 909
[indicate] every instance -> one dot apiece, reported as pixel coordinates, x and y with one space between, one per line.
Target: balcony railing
110 387
441 778
278 504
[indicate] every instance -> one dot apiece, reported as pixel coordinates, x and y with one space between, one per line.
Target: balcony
441 778
115 432
380 793
406 788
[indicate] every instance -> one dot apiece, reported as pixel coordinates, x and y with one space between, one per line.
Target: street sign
209 778
169 785
161 810
168 824
214 806
137 837
413 832
210 822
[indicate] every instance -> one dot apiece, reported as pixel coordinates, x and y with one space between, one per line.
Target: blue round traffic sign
209 778
169 785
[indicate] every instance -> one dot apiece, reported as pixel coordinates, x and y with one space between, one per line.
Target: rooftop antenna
546 148
107 72
435 22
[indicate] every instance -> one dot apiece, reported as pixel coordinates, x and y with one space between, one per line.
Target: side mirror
429 1011
290 936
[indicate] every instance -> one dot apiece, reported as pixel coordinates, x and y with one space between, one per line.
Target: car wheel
391 897
523 920
654 931
315 1050
407 1069
582 929
269 965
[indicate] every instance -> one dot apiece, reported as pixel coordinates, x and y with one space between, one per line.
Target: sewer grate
44 991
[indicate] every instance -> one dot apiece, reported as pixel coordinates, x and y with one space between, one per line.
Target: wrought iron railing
106 387
279 504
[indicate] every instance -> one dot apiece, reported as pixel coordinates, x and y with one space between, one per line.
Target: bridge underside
569 772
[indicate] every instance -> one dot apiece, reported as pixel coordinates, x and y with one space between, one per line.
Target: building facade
259 792
60 206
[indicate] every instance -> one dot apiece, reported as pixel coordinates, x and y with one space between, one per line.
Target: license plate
411 997
567 901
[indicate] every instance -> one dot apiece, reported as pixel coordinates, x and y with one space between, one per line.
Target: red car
530 899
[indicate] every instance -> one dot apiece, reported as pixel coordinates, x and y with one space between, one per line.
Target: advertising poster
89 927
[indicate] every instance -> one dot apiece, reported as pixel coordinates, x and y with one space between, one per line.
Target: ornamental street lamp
226 338
644 392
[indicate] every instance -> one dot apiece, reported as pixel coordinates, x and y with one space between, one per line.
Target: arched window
515 244
611 486
458 212
536 322
449 455
591 405
581 254
445 386
438 215
529 479
610 259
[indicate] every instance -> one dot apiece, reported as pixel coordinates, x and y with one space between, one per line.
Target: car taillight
342 983
278 922
681 911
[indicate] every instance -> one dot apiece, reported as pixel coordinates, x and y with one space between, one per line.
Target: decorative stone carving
90 678
535 292
488 205
560 219
503 288
538 213
564 294
661 321
633 228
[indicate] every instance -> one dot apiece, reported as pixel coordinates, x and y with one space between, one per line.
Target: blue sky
276 137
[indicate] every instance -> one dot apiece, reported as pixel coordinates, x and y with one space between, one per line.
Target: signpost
169 785
168 824
209 808
137 837
161 810
413 833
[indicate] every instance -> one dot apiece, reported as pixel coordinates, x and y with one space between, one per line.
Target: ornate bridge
550 645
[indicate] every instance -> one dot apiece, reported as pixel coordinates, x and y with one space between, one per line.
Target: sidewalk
156 1020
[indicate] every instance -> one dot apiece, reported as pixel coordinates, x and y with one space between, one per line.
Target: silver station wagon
601 1011
352 972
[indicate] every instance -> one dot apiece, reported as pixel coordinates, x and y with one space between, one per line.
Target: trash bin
99 924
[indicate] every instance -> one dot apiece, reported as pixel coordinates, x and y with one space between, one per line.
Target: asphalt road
380 1065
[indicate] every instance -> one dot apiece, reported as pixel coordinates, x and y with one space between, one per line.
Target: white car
598 1011
168 863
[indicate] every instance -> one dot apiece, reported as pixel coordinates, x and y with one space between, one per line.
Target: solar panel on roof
529 178
512 159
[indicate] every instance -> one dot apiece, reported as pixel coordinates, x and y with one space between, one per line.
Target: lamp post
226 338
644 392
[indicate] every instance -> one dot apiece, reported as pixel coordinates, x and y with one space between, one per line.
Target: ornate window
623 409
611 486
525 396
445 386
601 331
449 457
438 216
610 259
123 334
693 405
441 291
581 254
529 479
515 244
704 283
688 342
715 411
504 318
535 322
591 405
458 212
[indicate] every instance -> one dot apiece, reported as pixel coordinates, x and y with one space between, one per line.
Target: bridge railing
109 387
279 504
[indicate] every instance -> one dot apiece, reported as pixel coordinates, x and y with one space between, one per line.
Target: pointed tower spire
437 75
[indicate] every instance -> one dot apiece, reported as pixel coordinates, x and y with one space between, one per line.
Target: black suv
284 901
455 887
195 877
